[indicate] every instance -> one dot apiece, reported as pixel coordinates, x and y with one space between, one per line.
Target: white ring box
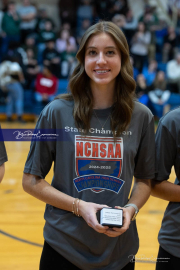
111 217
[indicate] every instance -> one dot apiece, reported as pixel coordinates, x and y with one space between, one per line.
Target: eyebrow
108 47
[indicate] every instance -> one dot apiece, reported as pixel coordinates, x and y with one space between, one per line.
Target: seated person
173 74
142 89
11 77
42 18
30 43
150 71
130 26
31 69
44 36
66 42
120 7
85 10
15 50
86 23
45 86
139 46
27 13
47 33
159 95
68 12
66 46
10 27
119 20
170 46
51 57
135 70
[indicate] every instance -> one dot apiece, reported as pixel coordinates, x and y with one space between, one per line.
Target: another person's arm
166 153
2 171
3 156
166 190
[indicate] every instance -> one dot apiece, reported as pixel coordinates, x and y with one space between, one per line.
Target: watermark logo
36 134
32 135
147 259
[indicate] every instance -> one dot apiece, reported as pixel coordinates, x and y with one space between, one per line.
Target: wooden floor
21 217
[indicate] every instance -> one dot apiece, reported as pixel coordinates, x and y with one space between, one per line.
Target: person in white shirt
173 74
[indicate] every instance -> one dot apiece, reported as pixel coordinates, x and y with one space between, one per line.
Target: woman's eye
110 52
92 52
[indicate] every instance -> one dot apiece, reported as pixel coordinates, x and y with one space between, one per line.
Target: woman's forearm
141 192
43 191
165 190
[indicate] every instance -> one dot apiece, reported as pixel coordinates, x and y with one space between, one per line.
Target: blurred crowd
35 55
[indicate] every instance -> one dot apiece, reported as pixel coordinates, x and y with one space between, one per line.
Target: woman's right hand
88 211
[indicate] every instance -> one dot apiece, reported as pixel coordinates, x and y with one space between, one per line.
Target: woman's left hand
127 215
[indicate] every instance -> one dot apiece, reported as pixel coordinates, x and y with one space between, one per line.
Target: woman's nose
101 59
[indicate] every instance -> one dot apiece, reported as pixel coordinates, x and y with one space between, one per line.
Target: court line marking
144 261
20 239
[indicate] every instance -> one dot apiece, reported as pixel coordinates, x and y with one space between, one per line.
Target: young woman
167 156
107 138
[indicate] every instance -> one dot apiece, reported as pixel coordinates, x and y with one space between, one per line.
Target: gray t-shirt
3 154
26 10
167 156
93 169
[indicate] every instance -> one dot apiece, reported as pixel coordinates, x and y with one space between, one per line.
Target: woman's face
30 53
65 34
141 27
140 79
102 60
161 76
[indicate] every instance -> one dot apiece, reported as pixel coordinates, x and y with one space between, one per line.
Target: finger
96 226
118 207
120 230
127 221
101 206
117 230
101 229
113 233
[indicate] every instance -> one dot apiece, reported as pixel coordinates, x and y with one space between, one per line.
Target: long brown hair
125 85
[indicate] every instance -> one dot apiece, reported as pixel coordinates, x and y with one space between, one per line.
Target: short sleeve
41 154
165 152
3 154
145 157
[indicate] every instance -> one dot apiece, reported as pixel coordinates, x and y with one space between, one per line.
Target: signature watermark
29 133
147 259
32 135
